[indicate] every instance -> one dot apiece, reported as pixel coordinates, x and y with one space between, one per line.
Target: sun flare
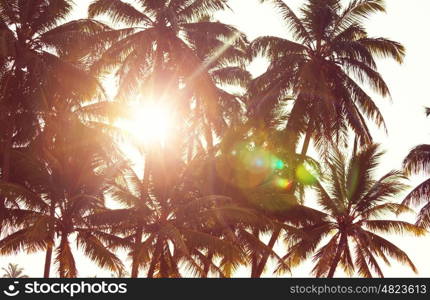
148 123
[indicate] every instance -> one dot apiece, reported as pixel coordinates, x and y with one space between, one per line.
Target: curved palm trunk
263 261
337 256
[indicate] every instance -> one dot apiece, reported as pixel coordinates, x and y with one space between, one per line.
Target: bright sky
405 22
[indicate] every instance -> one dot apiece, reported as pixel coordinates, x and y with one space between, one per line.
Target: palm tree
323 70
352 204
13 271
160 59
38 69
63 178
167 222
255 174
416 162
225 58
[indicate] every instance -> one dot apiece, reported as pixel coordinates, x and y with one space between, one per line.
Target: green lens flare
283 183
279 164
304 176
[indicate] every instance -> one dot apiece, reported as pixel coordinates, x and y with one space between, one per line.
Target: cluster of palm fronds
195 207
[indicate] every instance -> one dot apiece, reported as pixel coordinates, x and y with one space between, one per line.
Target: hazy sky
406 22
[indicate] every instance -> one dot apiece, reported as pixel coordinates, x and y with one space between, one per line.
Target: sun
149 123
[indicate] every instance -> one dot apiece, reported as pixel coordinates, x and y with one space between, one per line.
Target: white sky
406 22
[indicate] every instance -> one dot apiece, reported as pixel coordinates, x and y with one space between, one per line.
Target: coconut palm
346 232
33 72
62 181
225 58
416 162
161 54
38 70
253 170
318 77
324 69
13 271
168 221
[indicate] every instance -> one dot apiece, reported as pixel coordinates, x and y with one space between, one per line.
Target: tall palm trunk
48 259
135 263
48 256
337 256
207 264
61 269
155 257
5 172
263 261
7 148
211 156
139 231
255 256
307 140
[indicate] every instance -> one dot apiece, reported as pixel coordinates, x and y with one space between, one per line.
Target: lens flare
257 161
149 123
247 167
304 176
283 183
278 164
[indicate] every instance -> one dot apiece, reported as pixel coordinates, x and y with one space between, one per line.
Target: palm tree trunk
5 171
255 257
263 261
337 256
135 263
207 264
211 156
307 139
48 259
48 256
6 155
61 269
155 257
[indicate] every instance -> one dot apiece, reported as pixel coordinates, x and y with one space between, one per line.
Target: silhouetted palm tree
168 222
323 69
353 204
63 181
417 162
228 176
316 78
224 57
160 54
37 70
13 271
